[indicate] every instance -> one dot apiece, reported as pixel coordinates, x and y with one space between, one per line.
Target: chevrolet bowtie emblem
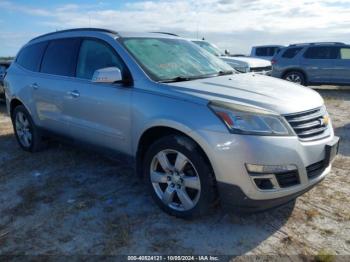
324 121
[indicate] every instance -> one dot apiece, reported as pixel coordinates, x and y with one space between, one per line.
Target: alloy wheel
294 78
175 180
23 129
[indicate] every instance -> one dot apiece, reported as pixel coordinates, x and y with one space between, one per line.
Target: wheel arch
293 69
155 132
14 103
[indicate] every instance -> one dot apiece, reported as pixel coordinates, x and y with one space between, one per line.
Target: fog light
263 169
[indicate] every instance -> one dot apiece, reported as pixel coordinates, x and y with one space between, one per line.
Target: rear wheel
295 77
180 180
27 134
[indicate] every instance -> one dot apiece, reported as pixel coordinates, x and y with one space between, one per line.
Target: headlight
241 119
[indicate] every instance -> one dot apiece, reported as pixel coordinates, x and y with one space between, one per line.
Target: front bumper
229 153
232 198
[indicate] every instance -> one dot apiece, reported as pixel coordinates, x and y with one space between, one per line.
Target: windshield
166 59
209 47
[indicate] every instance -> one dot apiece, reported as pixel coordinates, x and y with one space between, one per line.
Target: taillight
273 61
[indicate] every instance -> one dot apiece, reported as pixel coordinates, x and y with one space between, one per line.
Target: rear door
342 66
26 68
55 80
99 113
319 63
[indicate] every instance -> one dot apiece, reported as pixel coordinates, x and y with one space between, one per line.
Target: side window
261 51
94 55
345 53
60 57
30 56
291 52
322 52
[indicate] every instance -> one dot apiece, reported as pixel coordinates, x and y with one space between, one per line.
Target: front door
99 113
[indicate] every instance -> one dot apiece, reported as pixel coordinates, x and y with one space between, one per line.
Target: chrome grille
309 124
260 69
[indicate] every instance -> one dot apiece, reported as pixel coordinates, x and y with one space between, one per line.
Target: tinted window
322 52
345 53
262 51
60 57
291 52
266 51
95 55
30 56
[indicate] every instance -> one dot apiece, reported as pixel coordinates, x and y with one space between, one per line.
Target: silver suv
197 132
313 63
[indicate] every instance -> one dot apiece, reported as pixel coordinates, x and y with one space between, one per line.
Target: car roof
258 46
63 33
318 44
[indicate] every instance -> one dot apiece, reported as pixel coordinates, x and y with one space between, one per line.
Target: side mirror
107 75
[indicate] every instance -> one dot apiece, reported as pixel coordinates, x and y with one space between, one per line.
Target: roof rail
316 43
165 33
77 29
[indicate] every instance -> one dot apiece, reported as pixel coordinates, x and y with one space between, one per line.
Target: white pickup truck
242 64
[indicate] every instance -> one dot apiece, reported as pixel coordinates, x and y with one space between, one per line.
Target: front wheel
179 178
295 77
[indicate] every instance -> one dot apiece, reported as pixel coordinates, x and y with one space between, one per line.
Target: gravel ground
68 201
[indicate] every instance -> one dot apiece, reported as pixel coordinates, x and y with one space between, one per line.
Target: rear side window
30 56
322 52
345 53
291 52
61 56
95 55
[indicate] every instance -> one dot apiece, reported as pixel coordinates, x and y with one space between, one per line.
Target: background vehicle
314 63
265 51
3 67
242 64
196 131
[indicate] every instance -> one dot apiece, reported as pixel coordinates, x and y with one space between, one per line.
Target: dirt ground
66 200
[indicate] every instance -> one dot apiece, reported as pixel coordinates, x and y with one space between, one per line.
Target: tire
27 134
295 77
182 182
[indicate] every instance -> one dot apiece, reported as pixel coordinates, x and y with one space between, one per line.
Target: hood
251 61
234 62
252 90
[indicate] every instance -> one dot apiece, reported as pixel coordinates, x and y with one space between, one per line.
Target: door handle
35 86
74 93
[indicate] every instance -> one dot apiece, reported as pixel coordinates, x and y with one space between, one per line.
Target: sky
236 25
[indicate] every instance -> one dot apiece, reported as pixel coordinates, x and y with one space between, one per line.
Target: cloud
227 22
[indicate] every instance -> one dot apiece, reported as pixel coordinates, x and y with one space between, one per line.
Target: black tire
36 142
207 197
295 77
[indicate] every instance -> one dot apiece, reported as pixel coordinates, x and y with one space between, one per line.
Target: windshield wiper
177 79
222 73
186 78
